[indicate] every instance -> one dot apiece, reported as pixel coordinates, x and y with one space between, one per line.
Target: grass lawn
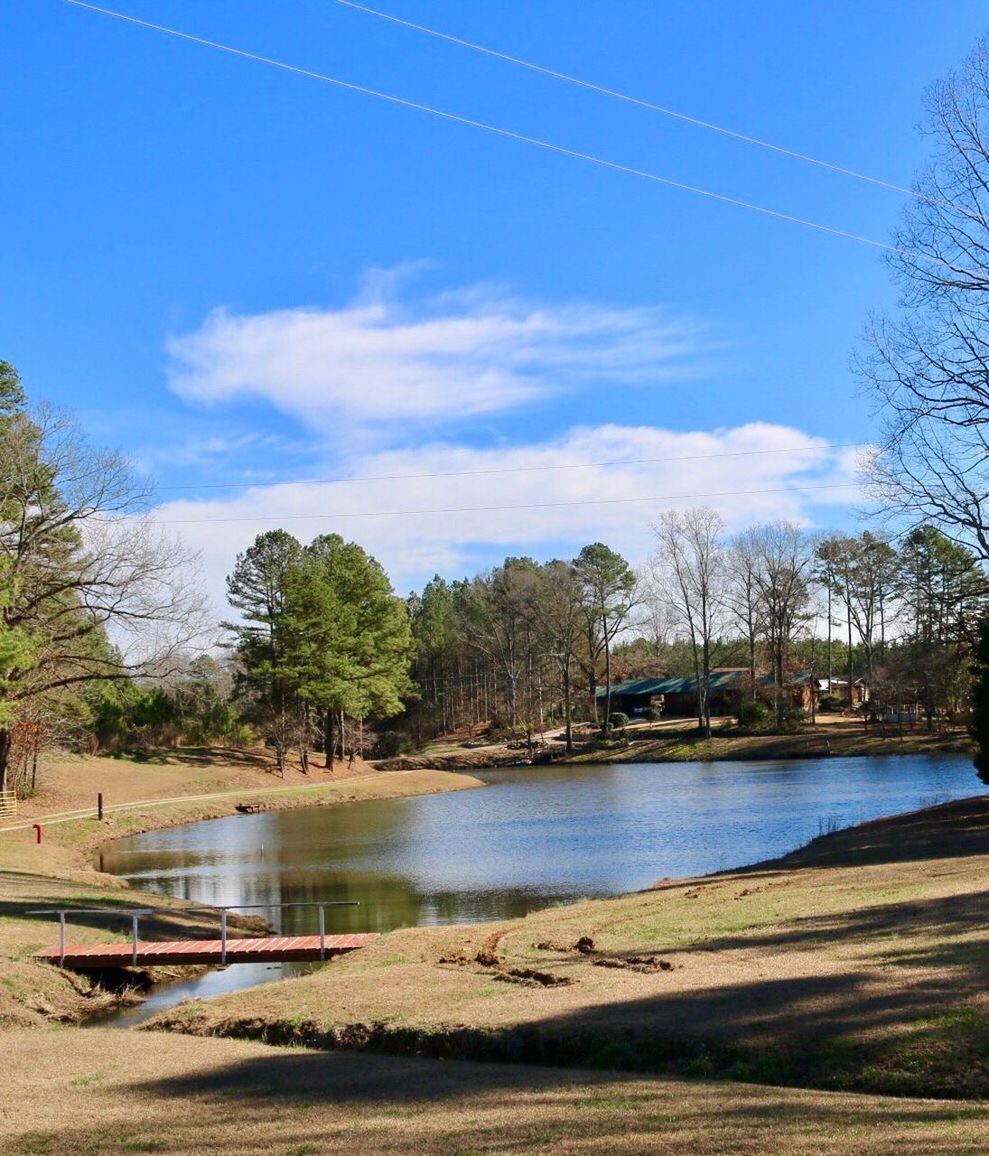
756 1011
98 1092
860 963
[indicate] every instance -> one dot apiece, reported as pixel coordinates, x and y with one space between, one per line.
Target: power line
508 134
510 469
649 105
511 506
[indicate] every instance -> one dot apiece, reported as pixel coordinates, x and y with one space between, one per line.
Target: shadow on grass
397 1081
203 757
852 1030
939 919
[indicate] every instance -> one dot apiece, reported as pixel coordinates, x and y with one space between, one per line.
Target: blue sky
244 276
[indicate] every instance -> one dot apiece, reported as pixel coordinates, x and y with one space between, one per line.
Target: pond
532 837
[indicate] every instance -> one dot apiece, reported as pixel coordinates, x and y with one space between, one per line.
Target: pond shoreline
576 958
58 871
683 744
65 858
770 973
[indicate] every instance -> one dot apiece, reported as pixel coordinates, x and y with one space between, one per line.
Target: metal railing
8 803
135 913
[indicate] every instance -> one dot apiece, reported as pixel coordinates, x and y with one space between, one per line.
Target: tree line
100 615
98 618
526 641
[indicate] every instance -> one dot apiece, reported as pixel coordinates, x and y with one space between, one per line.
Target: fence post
134 918
61 939
223 935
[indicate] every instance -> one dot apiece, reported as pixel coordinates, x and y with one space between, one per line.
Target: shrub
388 744
651 714
617 720
830 703
753 712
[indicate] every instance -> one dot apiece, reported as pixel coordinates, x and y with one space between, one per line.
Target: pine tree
980 701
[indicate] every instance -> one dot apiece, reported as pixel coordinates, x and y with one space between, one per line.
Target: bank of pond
535 836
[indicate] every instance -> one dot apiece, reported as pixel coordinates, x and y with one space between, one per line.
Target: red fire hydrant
37 832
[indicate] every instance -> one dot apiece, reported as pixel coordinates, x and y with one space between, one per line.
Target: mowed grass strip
113 1092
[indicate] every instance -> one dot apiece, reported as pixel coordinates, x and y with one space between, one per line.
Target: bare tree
838 556
561 607
783 562
742 595
91 588
691 558
501 624
929 367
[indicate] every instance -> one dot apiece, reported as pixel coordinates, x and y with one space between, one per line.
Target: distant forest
102 625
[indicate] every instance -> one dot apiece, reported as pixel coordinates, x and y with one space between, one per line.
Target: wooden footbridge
217 952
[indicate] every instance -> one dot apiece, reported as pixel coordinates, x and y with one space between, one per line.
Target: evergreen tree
323 636
609 595
350 641
980 701
77 561
257 588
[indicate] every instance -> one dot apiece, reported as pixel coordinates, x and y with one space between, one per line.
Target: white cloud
545 498
456 356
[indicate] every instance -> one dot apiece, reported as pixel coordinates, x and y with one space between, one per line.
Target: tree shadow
954 915
209 757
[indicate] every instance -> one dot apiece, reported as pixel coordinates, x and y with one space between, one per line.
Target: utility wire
508 134
510 506
508 469
628 99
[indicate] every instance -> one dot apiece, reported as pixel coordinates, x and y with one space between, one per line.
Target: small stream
533 837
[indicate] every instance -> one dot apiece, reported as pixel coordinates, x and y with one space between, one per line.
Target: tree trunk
329 737
851 668
780 690
706 722
5 744
830 671
698 679
752 687
607 677
567 709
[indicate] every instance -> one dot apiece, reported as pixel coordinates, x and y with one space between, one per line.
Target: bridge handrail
135 914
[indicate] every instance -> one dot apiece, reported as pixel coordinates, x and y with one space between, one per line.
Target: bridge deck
267 949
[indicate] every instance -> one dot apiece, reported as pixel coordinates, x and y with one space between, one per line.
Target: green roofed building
678 696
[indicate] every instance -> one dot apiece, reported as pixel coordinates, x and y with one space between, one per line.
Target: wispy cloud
380 360
593 483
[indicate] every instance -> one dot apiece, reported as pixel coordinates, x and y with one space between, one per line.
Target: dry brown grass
866 951
57 873
108 1093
